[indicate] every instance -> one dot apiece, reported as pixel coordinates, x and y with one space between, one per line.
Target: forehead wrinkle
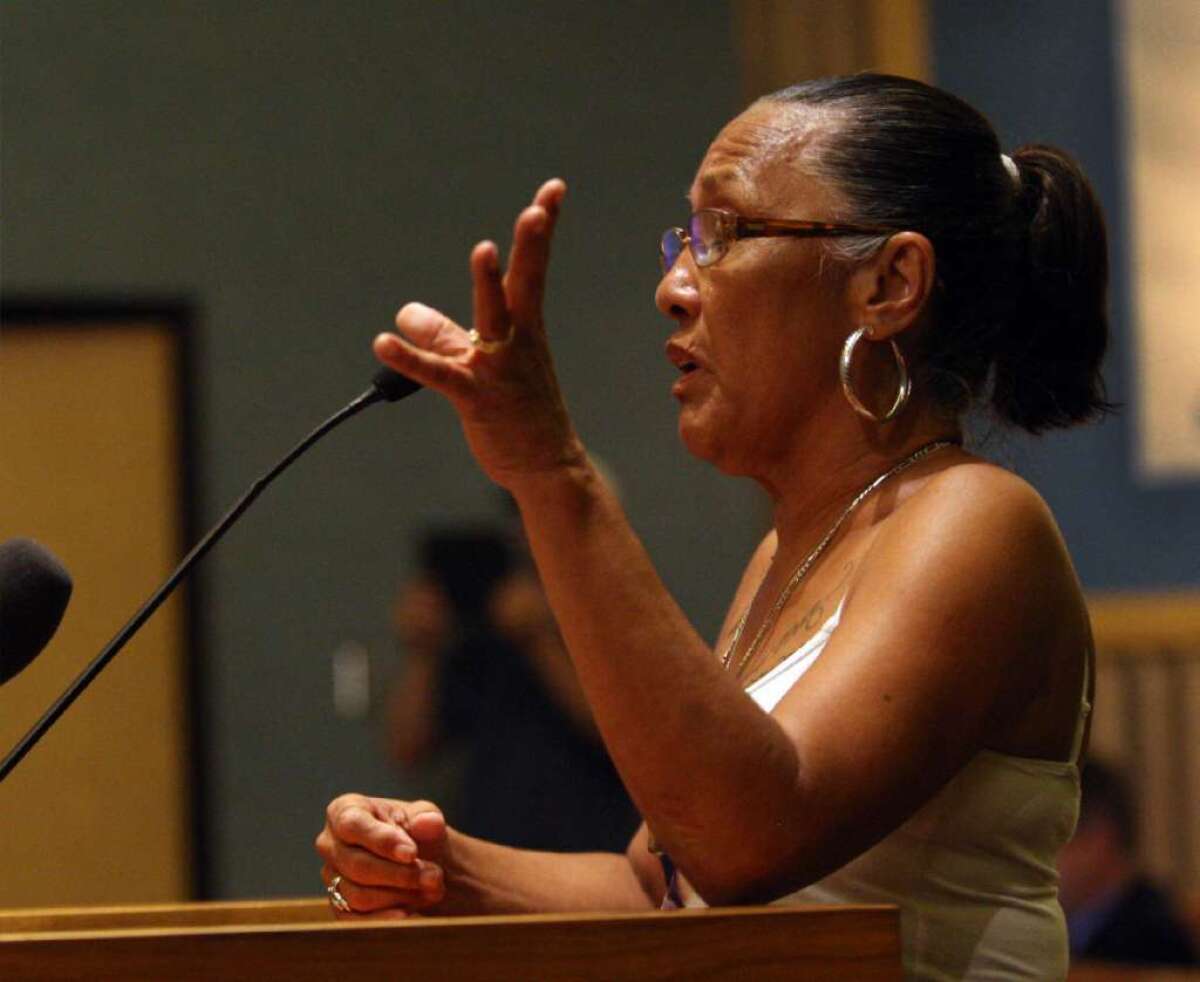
760 139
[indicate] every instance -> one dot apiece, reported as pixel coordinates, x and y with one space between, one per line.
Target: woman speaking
898 698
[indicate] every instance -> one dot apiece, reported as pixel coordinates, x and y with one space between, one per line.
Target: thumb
428 831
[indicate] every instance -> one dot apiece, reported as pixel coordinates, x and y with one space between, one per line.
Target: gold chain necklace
802 570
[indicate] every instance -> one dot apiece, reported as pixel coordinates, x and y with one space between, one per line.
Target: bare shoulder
975 540
973 506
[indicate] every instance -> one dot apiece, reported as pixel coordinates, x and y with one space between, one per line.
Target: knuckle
353 823
340 804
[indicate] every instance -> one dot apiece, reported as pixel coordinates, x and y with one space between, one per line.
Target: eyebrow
710 180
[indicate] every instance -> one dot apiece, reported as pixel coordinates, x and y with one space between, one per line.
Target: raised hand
499 375
383 853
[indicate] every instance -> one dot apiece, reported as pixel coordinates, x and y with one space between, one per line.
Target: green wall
300 170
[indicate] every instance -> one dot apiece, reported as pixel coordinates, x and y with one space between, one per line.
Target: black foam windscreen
34 590
394 386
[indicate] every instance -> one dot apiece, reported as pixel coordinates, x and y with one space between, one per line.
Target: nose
677 295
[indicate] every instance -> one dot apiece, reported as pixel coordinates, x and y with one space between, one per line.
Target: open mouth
682 358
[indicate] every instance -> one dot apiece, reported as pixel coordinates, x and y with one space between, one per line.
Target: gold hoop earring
902 393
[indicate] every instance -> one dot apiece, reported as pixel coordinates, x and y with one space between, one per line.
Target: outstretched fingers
490 308
525 281
429 348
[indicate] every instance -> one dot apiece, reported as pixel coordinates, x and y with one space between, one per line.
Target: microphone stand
387 385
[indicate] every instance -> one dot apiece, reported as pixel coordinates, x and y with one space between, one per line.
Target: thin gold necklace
802 570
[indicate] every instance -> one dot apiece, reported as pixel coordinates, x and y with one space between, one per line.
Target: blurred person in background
1115 912
487 680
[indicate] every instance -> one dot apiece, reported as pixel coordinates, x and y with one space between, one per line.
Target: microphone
386 386
34 590
392 386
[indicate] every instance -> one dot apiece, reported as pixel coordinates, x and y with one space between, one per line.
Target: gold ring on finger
487 345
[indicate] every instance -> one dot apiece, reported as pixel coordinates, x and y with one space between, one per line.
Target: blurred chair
1147 722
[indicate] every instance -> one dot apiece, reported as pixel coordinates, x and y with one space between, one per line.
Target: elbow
766 861
747 879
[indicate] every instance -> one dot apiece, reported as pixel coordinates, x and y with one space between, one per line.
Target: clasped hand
388 854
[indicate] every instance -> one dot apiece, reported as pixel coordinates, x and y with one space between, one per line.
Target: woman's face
757 334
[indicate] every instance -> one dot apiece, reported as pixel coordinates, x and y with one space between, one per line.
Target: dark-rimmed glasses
711 231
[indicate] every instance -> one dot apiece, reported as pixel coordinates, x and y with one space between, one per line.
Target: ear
890 291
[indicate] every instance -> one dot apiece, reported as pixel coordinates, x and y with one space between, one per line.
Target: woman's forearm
486 878
690 746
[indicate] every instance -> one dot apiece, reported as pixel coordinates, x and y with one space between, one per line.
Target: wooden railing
298 941
1147 720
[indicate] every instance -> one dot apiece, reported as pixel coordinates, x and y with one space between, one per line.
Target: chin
704 443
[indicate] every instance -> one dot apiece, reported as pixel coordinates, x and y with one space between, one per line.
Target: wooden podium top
299 940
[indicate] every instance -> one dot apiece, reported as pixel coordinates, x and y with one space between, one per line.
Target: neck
812 483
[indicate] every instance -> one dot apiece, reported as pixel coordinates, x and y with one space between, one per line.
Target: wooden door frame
179 315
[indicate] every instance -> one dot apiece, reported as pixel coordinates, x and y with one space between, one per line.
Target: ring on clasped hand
487 345
336 900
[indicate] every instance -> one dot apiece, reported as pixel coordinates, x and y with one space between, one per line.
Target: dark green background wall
301 170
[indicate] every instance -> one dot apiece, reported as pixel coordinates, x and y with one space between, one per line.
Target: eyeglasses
711 231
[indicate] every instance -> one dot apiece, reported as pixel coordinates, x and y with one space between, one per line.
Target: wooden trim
41 920
1146 623
255 941
786 41
179 315
900 38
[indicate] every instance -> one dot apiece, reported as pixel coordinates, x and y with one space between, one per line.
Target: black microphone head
392 385
34 590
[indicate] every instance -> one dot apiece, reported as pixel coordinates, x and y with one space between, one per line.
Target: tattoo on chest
812 619
790 633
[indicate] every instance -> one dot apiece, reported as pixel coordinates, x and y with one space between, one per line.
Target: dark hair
1104 792
1030 337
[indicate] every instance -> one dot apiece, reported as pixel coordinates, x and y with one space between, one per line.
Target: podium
298 940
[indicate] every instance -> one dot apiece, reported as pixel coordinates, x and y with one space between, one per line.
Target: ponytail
1018 319
1046 360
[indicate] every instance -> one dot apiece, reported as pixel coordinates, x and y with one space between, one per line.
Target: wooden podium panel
300 940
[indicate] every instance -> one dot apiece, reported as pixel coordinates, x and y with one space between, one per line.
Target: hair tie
1010 165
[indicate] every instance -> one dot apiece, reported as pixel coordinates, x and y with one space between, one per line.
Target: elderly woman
896 704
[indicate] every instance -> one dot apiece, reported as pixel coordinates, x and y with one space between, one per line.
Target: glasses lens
670 246
707 238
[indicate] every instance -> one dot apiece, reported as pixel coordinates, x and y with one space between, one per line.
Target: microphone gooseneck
34 591
387 386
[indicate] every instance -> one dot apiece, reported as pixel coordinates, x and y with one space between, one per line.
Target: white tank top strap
768 690
1085 711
